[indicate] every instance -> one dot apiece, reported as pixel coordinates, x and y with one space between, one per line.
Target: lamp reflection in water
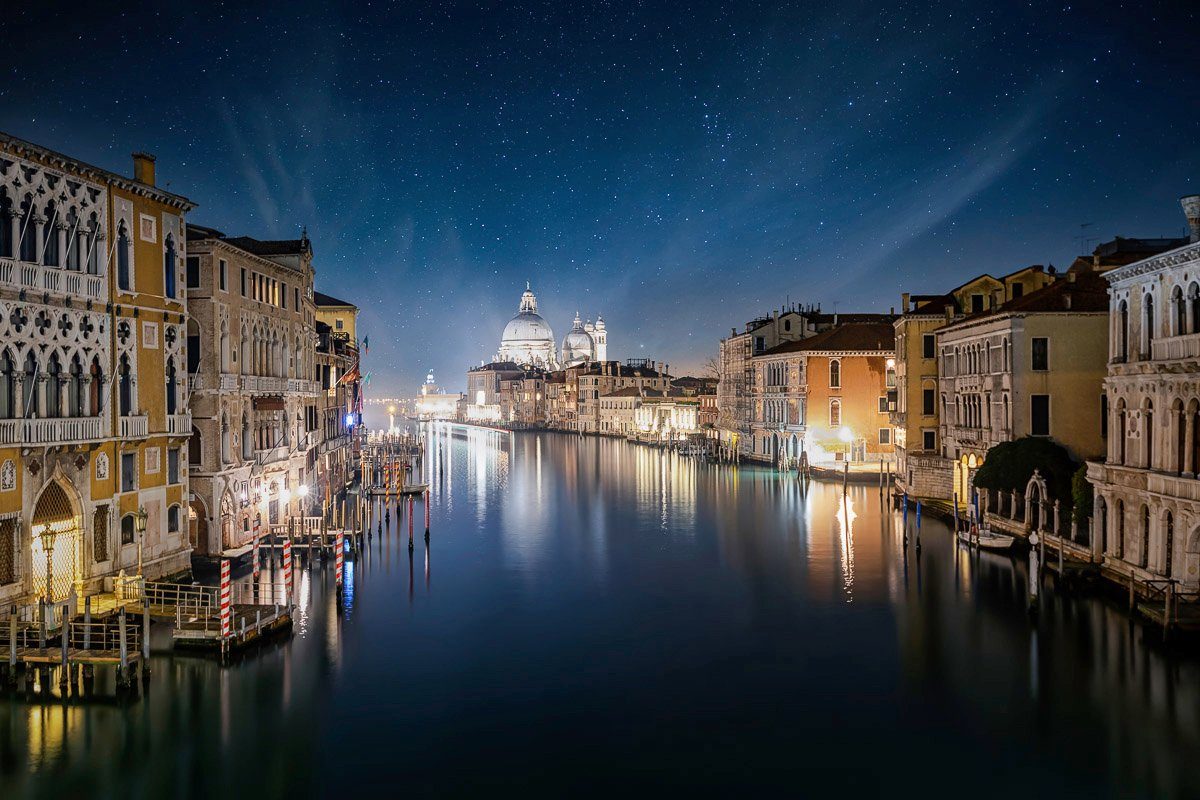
845 518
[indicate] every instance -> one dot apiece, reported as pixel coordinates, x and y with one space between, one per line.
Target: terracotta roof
322 299
936 304
850 336
270 247
1081 292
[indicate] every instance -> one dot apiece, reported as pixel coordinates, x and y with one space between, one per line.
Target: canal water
595 617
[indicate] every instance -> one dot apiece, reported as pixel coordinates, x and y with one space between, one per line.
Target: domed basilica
528 339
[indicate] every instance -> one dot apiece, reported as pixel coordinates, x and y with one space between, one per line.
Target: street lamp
139 524
47 537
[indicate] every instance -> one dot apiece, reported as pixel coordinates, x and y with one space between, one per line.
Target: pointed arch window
8 385
1179 309
124 387
96 373
29 385
93 245
1123 333
172 386
123 257
6 224
72 225
75 388
169 266
1144 559
50 235
54 384
1168 544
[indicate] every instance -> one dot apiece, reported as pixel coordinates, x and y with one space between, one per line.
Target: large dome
578 347
527 328
528 339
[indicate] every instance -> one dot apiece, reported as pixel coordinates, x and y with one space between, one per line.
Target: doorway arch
56 529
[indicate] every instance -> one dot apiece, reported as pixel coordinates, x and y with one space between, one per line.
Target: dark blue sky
676 167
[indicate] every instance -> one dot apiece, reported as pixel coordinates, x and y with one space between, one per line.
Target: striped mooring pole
427 515
340 544
410 522
226 615
287 569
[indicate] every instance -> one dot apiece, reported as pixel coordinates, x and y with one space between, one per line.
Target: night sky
679 168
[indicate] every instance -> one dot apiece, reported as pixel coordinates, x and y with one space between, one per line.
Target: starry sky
678 168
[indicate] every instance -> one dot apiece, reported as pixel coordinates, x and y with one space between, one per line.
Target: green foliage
1081 491
1010 465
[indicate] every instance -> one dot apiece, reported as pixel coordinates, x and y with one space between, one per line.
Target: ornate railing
133 427
53 431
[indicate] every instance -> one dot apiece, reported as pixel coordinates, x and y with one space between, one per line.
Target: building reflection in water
575 569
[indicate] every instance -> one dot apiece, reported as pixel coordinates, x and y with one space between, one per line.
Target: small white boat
987 540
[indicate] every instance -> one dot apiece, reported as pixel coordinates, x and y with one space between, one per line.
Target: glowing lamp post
47 538
139 524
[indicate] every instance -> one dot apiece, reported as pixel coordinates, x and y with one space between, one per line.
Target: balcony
66 430
1175 348
179 424
133 427
229 382
301 386
55 280
259 384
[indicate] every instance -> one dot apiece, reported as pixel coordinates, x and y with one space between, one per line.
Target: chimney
904 303
143 168
1191 210
949 312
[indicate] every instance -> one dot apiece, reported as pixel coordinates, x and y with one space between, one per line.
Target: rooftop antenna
1086 243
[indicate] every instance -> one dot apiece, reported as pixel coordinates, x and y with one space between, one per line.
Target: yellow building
93 407
920 469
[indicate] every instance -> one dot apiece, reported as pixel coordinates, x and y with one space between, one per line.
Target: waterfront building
921 470
705 391
668 416
93 401
434 402
1029 366
333 461
251 362
826 396
522 399
602 378
1146 513
484 390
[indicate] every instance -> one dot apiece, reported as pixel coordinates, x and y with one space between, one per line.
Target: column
1189 469
38 245
61 233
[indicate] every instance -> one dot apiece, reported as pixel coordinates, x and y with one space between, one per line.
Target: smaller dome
578 346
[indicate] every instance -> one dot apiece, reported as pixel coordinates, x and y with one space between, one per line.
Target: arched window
1123 332
1120 552
1168 544
173 519
124 387
169 266
8 385
835 413
1144 559
195 447
28 231
72 223
75 389
835 373
193 345
54 384
1179 318
127 529
95 387
50 235
1148 319
1122 431
1179 418
226 433
94 247
1148 433
1194 307
122 257
247 442
172 386
29 385
1101 512
6 216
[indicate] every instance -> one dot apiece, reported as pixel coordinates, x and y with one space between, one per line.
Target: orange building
844 387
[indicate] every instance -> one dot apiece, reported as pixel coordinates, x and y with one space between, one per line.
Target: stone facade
1146 517
251 362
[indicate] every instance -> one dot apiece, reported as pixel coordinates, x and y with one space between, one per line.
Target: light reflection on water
604 613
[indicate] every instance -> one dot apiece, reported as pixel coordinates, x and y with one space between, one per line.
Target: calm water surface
592 616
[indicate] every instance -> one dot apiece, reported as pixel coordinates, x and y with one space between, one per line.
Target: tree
1010 465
